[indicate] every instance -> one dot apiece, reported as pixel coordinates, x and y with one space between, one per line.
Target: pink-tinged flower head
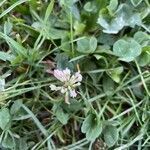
70 82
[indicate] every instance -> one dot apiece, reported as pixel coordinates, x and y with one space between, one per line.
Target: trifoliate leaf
142 38
108 85
144 58
87 45
124 16
127 50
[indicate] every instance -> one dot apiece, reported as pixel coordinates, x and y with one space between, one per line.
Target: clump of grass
106 43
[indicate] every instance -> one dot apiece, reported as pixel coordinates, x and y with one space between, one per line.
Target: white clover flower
70 82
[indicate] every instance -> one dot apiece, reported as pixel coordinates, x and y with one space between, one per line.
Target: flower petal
78 77
59 75
73 93
63 90
54 87
62 75
67 73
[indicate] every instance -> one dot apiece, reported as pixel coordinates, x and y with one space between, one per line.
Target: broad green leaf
87 123
127 50
124 16
53 33
142 38
110 135
107 39
4 118
144 58
92 127
73 107
113 27
61 116
65 45
63 61
136 2
87 45
91 66
108 85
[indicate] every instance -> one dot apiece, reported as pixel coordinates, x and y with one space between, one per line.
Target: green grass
112 107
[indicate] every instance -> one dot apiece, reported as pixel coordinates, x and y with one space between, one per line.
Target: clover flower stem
67 98
78 68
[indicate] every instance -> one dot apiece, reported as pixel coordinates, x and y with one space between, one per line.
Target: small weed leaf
60 114
4 118
142 38
108 85
115 74
92 127
87 45
127 50
110 135
124 16
144 58
8 141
